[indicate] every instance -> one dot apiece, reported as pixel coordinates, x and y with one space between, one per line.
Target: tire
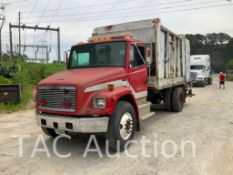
49 132
167 100
123 120
178 99
203 84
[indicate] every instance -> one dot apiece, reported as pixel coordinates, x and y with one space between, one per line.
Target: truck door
138 72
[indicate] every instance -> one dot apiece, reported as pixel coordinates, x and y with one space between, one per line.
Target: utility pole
11 46
19 36
1 40
2 18
58 46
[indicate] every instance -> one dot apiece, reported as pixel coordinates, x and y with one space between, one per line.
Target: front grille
193 75
55 96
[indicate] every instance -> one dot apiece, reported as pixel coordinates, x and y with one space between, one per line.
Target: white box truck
200 70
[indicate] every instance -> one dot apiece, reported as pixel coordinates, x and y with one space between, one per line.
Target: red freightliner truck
112 80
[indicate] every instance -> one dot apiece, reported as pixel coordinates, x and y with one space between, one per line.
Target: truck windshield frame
106 54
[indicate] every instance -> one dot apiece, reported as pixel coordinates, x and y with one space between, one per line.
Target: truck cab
200 70
104 77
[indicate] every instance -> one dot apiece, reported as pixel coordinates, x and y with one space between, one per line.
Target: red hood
87 76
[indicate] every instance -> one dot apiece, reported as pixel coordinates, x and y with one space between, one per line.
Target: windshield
111 54
197 67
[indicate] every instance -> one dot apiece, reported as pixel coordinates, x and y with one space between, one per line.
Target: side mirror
148 55
67 57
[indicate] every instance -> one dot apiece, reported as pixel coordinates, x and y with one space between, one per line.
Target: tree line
218 45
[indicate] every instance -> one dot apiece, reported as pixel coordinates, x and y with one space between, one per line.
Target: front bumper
73 124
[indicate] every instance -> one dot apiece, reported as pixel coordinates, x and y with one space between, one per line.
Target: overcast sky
77 18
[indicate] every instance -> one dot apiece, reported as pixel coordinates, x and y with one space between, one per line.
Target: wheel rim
126 126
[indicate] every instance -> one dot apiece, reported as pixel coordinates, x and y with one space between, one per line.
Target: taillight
66 104
42 102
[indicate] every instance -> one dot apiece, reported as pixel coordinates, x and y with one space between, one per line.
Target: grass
38 72
29 75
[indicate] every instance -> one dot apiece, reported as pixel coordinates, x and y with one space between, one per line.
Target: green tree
218 45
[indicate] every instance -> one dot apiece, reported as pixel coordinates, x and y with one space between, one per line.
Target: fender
119 93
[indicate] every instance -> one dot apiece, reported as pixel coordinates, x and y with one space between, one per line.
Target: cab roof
110 39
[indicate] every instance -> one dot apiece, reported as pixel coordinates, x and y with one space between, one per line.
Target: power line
56 12
123 9
16 2
140 14
111 3
46 6
89 13
87 6
33 7
135 8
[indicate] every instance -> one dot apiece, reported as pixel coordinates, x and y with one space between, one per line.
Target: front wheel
203 83
121 127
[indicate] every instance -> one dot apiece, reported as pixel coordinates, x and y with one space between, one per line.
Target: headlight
99 103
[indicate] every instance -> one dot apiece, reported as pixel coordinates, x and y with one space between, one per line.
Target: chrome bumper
72 124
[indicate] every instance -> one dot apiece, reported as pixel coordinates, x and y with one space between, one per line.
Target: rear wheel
122 125
168 99
50 132
178 99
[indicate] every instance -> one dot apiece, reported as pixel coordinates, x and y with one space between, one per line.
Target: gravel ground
207 120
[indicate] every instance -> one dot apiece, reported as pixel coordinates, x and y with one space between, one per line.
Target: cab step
144 111
147 116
